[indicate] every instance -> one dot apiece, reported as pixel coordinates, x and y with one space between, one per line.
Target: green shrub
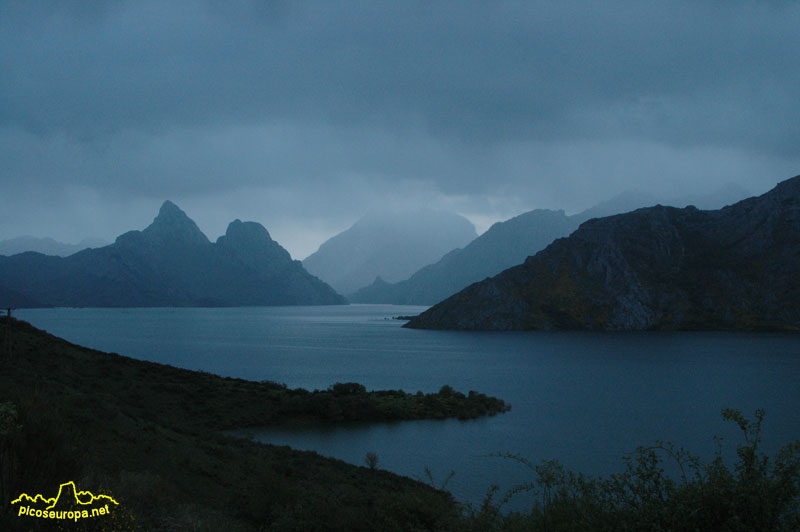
756 494
38 450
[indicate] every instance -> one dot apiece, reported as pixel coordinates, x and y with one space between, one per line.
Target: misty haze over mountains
171 262
390 245
47 245
508 244
487 109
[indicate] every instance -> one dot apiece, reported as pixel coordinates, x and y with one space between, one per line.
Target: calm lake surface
585 399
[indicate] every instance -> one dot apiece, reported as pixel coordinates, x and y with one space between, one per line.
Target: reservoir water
584 399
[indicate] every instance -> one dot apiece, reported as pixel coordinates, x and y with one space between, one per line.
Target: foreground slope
654 268
147 434
170 263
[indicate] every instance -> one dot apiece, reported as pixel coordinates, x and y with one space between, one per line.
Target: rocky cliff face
655 268
170 263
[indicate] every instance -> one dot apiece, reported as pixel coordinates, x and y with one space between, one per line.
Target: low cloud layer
304 115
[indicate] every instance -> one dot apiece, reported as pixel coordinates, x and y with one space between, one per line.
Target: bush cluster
351 402
756 494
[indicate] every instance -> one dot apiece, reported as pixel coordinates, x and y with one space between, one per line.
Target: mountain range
390 244
661 268
47 246
170 263
503 245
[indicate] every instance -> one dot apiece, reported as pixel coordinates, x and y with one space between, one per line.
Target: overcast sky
305 115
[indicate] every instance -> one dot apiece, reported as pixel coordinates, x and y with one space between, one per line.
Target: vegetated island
149 434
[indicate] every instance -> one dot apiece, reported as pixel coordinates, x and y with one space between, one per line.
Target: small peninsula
141 428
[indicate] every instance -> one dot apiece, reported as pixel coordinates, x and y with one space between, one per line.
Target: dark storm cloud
494 106
714 72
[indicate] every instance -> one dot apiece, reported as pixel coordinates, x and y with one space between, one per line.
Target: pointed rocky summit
170 263
174 226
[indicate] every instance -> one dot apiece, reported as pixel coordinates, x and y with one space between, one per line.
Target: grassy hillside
149 434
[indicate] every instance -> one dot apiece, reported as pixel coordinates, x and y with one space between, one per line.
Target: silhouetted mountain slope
654 268
624 202
170 263
46 246
13 299
392 245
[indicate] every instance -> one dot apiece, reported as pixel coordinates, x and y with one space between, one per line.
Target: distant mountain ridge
503 245
654 268
47 246
392 245
169 263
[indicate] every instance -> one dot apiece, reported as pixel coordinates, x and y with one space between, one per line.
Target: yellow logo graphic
69 504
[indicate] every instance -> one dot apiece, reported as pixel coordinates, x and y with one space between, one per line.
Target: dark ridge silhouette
170 263
653 268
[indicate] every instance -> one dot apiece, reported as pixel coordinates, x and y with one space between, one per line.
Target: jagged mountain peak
172 225
252 240
252 232
168 208
170 263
